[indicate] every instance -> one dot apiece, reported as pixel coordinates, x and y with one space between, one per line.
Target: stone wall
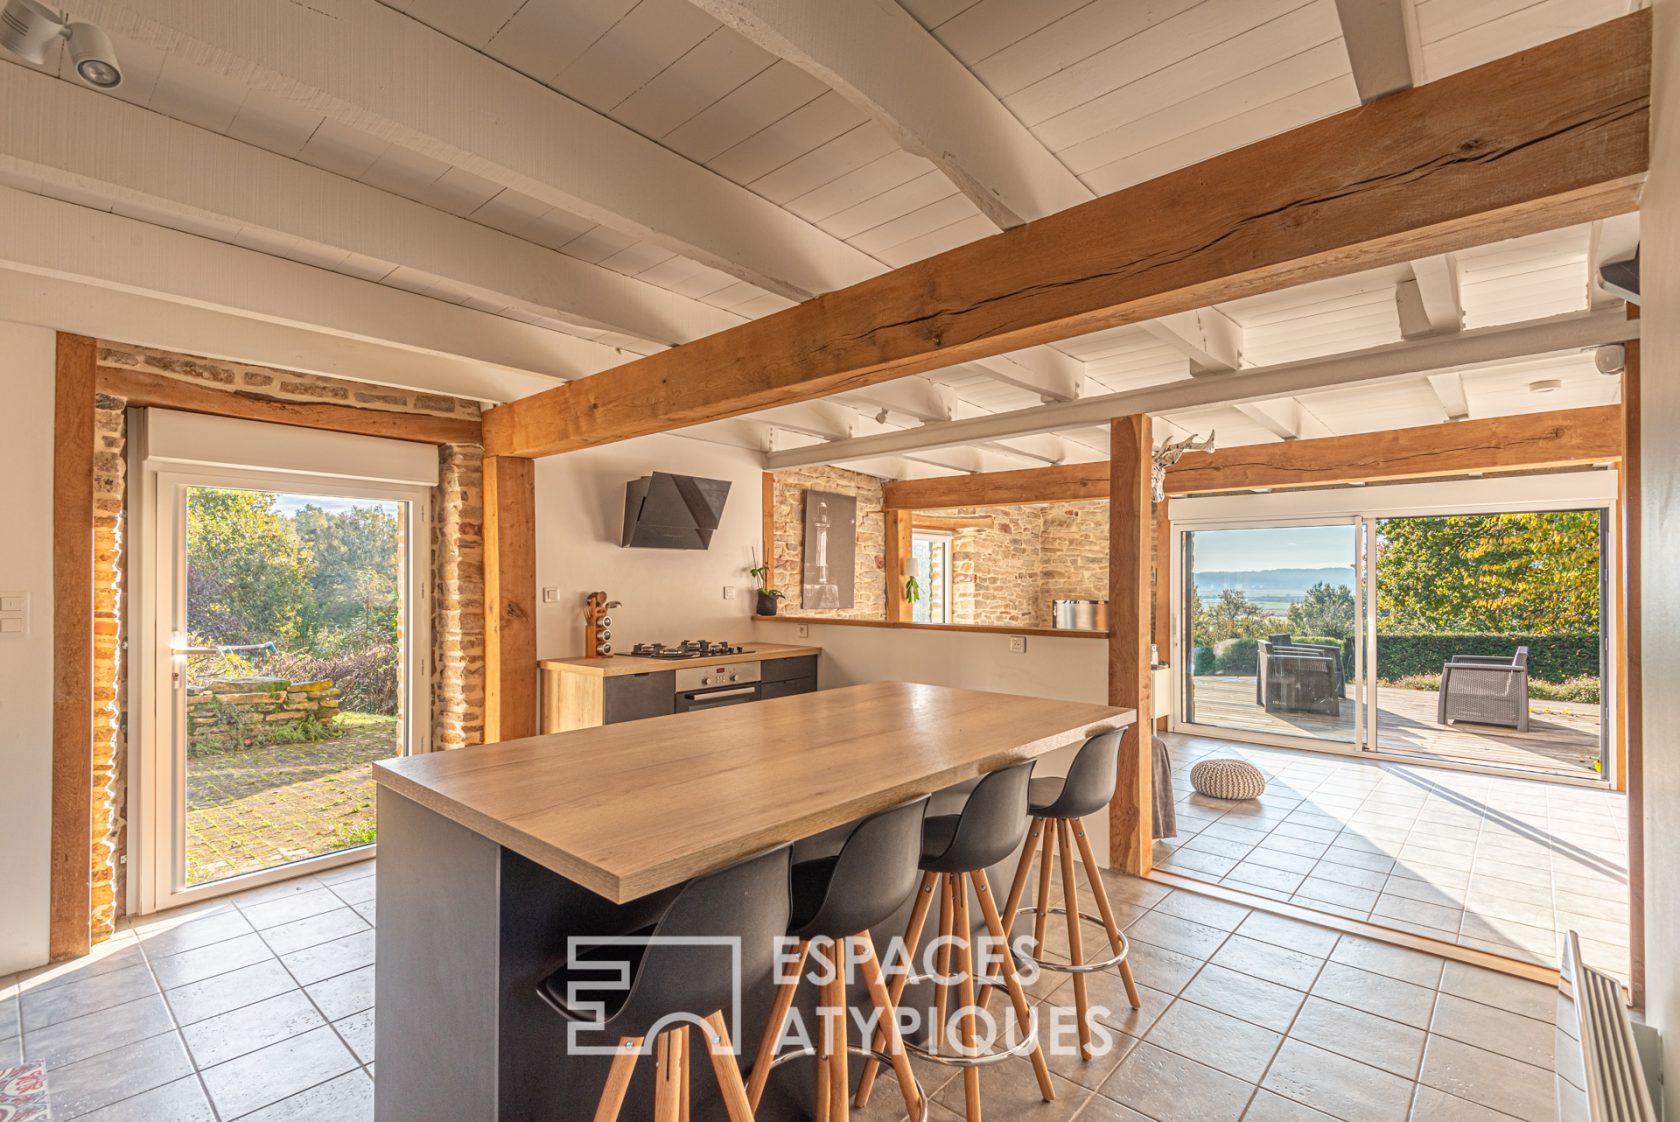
1075 551
995 569
457 564
229 713
788 520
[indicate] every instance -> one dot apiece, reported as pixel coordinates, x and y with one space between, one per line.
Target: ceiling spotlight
28 28
1546 385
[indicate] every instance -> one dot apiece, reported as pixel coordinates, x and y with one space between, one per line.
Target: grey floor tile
1182 935
1431 1105
1269 1107
1440 919
348 1098
1497 1030
233 1034
180 1101
118 1074
357 1031
11 1051
1167 1087
107 958
313 930
358 891
1097 1109
1501 990
346 873
1011 1091
1378 1041
1385 958
1291 933
1338 1086
43 1007
1254 1000
329 959
1376 993
1328 870
1205 910
272 912
9 1021
1316 890
1295 969
176 970
1250 875
1160 968
226 992
193 931
1110 1005
277 1072
345 994
65 1042
1489 1079
1215 1039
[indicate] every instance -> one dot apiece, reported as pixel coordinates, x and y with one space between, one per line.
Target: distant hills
1271 584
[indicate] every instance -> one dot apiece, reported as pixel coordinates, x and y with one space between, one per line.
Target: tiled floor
257 1007
261 1009
1500 864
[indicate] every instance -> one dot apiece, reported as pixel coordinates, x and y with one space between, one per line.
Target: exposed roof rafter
1210 339
1381 44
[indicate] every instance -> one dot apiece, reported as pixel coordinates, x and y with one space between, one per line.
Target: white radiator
1601 1075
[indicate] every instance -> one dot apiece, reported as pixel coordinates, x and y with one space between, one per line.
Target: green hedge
1236 656
1551 658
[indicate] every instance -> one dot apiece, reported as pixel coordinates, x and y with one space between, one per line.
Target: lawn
253 808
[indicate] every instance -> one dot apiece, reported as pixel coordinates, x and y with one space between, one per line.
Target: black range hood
664 511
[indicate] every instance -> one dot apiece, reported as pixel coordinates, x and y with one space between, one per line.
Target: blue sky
289 504
1284 547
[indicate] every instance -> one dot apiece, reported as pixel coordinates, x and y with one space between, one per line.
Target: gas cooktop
688 648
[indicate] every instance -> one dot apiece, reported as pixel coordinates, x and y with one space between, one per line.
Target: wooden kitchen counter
626 810
615 665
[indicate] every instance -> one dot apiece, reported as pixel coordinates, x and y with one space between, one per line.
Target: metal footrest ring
1084 967
1028 1041
809 1051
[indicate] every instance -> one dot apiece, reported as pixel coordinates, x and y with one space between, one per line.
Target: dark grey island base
467 929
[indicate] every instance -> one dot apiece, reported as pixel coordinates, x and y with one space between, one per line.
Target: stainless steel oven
712 687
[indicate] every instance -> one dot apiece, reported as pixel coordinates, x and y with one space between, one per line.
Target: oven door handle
701 697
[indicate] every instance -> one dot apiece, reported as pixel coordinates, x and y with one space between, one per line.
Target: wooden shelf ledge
975 628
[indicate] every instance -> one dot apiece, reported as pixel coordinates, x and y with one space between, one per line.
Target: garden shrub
366 677
1202 661
1551 658
1236 657
1581 691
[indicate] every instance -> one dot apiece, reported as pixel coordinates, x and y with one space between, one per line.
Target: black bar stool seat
680 974
836 900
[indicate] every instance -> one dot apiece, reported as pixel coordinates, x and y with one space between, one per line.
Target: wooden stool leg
1042 918
681 1046
842 1034
665 1094
965 991
912 937
825 1050
722 1052
876 982
947 930
785 991
1012 982
618 1079
1076 948
1093 873
1017 889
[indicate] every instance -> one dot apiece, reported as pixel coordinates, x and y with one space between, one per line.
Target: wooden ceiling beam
1546 138
1526 442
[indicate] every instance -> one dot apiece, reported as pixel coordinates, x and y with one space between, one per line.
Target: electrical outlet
1017 644
729 592
804 632
551 595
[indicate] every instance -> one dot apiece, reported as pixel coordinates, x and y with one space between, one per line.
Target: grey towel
1166 814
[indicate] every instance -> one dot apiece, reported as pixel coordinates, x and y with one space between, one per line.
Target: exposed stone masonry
870 594
110 750
458 598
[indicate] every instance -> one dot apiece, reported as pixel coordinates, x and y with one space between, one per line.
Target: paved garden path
253 808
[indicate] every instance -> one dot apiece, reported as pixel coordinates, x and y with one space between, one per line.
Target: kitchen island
491 857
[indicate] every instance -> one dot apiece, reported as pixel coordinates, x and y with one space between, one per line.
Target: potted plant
767 597
912 590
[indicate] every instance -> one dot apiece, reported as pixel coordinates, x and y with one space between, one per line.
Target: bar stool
837 900
679 974
1062 804
956 851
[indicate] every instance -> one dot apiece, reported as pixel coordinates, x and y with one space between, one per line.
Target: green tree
1231 616
247 571
1325 610
1533 574
357 559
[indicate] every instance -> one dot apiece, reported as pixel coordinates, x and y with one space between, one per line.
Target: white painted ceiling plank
876 55
445 100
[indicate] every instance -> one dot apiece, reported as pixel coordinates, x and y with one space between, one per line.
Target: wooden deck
1562 737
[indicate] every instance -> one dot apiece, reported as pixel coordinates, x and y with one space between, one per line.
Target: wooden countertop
629 809
615 665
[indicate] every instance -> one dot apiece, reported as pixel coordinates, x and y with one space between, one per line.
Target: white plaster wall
26 681
1660 430
668 594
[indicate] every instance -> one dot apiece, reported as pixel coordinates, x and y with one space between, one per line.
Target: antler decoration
1169 453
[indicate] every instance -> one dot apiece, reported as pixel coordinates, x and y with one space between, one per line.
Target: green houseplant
912 590
767 597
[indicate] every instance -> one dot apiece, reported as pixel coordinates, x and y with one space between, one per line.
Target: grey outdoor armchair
1325 649
1294 680
1485 690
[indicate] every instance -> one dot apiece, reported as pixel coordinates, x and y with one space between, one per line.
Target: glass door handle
194 650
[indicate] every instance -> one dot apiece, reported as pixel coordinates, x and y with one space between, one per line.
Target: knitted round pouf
1228 779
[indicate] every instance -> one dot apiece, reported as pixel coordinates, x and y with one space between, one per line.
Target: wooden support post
70 923
1632 684
510 595
1163 590
767 501
1129 520
898 557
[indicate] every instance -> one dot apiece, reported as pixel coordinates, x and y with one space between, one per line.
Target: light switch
1017 644
729 592
12 602
11 625
14 613
551 595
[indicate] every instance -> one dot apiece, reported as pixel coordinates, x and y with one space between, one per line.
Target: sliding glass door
1273 621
